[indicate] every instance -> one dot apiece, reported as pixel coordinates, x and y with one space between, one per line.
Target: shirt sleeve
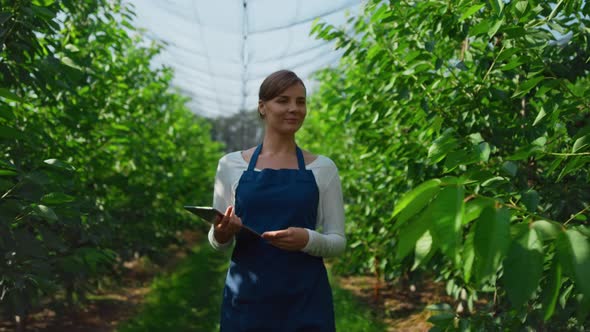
221 200
332 241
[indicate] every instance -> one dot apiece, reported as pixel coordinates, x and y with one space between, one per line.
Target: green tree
461 131
97 154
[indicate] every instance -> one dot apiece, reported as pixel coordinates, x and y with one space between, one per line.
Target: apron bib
267 288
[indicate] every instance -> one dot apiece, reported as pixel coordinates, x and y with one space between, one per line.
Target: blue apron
267 288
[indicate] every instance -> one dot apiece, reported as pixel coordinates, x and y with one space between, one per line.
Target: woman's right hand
226 226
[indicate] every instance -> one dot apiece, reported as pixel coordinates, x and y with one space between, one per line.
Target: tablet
210 214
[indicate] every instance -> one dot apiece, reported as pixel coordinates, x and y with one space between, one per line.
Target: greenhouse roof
221 50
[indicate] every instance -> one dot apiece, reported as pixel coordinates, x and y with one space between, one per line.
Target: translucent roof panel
222 50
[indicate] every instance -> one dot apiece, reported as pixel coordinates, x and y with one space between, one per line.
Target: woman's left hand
292 238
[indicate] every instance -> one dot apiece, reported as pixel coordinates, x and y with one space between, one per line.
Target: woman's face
285 113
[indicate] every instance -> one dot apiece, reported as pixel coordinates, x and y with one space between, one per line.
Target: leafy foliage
97 155
240 131
461 132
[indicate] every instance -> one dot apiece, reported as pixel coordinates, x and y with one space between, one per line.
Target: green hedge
462 133
97 153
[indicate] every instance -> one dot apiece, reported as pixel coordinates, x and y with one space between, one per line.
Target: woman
278 282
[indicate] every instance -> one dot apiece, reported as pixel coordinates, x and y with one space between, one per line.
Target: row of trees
462 134
97 155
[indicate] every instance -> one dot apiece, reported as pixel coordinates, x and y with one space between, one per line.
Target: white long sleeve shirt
327 240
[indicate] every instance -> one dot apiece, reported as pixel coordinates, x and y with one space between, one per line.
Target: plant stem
569 154
577 214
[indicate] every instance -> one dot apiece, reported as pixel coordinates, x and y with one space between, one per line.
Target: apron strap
254 158
300 159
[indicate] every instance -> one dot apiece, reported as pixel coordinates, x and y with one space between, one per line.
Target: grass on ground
189 299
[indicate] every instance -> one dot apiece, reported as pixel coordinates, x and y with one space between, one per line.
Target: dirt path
400 307
99 315
402 310
104 310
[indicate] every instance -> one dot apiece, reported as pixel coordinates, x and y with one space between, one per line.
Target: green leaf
527 85
471 11
72 48
42 11
120 127
454 159
453 180
484 151
539 141
493 180
415 206
491 241
7 172
474 154
565 295
57 198
497 6
547 230
44 212
554 165
574 255
423 251
523 267
415 199
510 167
518 230
474 207
7 94
128 25
441 146
511 65
70 63
508 53
551 289
7 164
581 143
583 307
446 217
525 152
411 232
468 255
495 27
59 165
480 28
585 230
6 113
540 116
572 165
461 65
530 199
43 3
521 6
440 307
443 319
475 138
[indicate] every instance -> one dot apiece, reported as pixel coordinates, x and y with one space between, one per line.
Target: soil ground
400 307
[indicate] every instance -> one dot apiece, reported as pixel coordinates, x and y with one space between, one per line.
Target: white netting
221 50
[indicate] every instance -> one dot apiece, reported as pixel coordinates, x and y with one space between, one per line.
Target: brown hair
276 83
